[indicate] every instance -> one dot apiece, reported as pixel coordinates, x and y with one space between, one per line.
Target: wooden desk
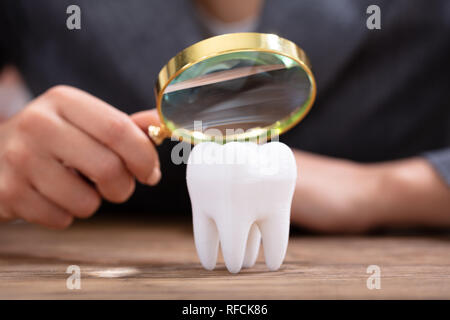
120 259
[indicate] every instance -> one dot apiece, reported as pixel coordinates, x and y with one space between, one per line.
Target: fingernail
155 177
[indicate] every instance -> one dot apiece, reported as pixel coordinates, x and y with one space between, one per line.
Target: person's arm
334 195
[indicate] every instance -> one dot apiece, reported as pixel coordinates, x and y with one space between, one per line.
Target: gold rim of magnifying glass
223 44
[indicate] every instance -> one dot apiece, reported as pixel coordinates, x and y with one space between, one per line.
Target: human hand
59 141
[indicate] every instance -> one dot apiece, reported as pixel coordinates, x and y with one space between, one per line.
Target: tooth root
206 240
275 236
233 240
253 242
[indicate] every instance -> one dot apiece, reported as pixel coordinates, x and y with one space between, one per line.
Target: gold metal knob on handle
157 134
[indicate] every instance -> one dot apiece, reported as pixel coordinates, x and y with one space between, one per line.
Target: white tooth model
240 191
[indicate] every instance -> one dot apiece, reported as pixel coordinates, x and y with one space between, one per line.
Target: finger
64 187
11 186
5 215
111 127
146 118
99 164
34 208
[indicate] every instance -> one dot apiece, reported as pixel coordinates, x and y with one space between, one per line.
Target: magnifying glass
233 87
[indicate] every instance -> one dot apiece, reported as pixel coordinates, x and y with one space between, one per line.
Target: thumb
146 118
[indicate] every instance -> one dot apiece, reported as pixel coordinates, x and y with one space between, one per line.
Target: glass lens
238 91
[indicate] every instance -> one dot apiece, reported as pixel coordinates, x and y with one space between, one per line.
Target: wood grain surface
122 259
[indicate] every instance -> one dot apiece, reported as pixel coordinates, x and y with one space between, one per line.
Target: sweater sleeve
3 55
8 35
440 160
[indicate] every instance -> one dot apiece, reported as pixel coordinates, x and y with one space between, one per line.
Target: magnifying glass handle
157 134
